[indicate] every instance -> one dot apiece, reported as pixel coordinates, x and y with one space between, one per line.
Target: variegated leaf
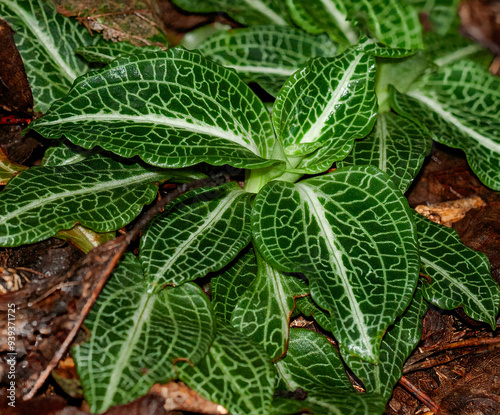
248 12
267 55
236 373
397 345
309 308
446 50
172 109
65 152
459 105
326 105
106 52
373 47
396 146
330 16
459 276
101 194
311 363
443 14
352 235
393 22
136 336
191 240
331 402
46 41
227 287
263 311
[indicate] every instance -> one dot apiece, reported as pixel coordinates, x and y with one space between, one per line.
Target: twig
419 394
488 344
472 342
113 250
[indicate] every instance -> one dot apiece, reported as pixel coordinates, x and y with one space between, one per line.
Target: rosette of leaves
345 240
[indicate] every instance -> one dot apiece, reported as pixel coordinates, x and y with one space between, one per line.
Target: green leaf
8 169
106 52
331 403
374 48
229 286
330 16
445 50
263 311
393 22
267 55
236 373
309 308
396 146
137 336
248 12
311 363
189 241
326 104
459 276
397 345
172 109
459 105
443 14
64 152
402 74
101 194
194 38
46 41
352 235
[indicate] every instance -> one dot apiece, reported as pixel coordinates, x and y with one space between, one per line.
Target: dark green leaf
445 50
443 14
332 403
189 241
459 276
352 235
375 48
263 311
236 373
172 109
46 41
244 11
459 106
330 16
396 146
393 22
398 343
64 152
101 194
105 52
311 363
267 55
229 286
326 105
137 336
309 308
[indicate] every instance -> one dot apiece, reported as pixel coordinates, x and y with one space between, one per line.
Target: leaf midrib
45 41
266 11
454 281
143 310
336 254
317 127
102 186
195 127
440 110
216 213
